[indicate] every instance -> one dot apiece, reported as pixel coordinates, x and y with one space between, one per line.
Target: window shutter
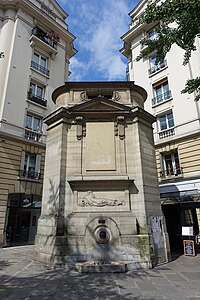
37 165
22 160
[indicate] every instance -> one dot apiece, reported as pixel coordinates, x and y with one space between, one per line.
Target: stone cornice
115 85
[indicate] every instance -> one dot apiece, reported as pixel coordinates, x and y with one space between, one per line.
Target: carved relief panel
101 200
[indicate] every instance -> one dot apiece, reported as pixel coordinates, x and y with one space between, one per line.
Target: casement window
40 60
155 64
34 123
166 121
170 164
33 130
30 165
37 90
40 63
152 34
36 94
161 92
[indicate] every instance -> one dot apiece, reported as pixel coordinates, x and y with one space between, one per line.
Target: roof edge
87 84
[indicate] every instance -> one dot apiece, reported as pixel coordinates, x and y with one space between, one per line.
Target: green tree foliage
178 23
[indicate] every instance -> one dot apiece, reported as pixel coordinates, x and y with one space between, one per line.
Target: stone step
113 267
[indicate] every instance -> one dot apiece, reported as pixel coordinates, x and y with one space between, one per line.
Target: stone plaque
100 147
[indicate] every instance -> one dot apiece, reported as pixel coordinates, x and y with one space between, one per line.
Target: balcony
33 135
157 67
39 68
37 99
47 41
161 98
50 38
171 173
29 175
166 133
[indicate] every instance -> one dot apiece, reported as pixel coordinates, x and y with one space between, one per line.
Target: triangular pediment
100 105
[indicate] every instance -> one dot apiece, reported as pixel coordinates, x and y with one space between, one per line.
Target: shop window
23 212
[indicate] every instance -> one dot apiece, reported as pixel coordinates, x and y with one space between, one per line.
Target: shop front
23 212
179 212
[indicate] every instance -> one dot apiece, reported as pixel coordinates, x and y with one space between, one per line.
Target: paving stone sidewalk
21 277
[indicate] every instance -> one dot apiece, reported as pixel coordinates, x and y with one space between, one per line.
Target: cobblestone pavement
21 277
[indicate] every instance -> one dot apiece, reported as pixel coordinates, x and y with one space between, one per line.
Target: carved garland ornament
80 128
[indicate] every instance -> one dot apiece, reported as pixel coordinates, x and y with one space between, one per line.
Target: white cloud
78 69
98 26
105 40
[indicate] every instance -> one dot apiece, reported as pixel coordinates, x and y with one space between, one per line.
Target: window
36 94
156 65
33 129
171 164
187 218
36 90
30 166
153 33
161 92
40 63
166 121
40 60
34 123
153 62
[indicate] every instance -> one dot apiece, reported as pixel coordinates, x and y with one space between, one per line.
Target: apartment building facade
177 129
35 47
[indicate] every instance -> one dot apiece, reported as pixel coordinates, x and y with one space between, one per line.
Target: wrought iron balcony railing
157 67
37 99
39 68
49 38
171 172
29 174
161 98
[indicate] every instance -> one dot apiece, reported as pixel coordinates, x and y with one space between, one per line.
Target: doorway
176 216
23 212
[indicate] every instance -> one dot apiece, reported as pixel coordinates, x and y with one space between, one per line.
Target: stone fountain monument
101 207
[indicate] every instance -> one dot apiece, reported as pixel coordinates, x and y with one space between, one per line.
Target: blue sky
98 26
